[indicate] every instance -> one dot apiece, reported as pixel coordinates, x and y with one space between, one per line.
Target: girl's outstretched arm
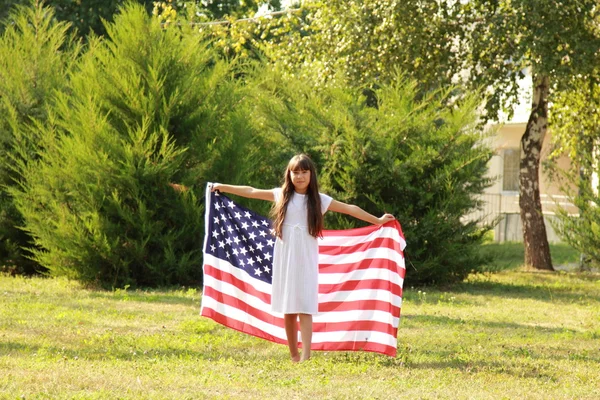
244 191
359 213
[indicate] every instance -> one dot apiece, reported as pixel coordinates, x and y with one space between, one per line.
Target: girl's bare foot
296 358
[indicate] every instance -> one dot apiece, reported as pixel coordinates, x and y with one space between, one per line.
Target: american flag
361 272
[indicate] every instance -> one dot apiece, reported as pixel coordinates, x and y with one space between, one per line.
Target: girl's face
300 180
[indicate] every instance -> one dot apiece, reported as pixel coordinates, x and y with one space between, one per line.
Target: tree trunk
537 250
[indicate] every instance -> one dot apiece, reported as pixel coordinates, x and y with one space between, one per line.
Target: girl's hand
215 186
386 218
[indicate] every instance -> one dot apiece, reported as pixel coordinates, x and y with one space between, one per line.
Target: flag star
215 233
244 225
212 248
267 256
235 251
258 259
221 244
251 261
230 204
236 240
237 215
243 251
228 255
237 228
244 238
222 230
252 236
242 263
267 269
217 206
270 242
272 232
223 217
251 249
255 224
216 219
264 222
260 246
262 233
247 214
257 271
229 229
228 241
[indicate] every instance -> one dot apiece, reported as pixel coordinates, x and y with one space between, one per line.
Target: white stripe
241 316
341 240
233 291
357 256
362 294
206 220
357 315
239 273
361 274
350 336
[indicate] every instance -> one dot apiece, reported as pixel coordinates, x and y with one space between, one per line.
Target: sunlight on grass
514 334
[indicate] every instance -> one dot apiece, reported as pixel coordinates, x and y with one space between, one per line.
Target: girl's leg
291 331
306 331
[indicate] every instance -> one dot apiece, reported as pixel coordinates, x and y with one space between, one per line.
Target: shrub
147 107
35 55
422 160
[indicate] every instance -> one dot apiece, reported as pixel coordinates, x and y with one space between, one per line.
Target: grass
510 255
514 334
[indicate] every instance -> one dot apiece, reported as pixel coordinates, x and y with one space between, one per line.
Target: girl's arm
359 213
244 191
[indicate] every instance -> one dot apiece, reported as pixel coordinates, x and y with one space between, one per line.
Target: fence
502 210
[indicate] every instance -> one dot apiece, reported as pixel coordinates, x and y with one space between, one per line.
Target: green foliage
576 136
35 54
421 160
146 108
558 39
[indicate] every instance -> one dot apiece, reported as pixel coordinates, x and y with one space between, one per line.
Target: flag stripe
361 273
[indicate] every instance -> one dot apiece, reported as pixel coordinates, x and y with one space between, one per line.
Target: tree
555 40
576 134
419 158
482 43
36 53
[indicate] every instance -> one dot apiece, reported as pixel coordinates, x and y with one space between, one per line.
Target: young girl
298 221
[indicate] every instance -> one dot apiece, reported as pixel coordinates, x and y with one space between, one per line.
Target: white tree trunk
537 250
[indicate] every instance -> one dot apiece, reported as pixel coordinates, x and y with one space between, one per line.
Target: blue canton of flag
240 236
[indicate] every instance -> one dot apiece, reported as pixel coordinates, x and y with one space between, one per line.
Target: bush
35 55
421 160
146 108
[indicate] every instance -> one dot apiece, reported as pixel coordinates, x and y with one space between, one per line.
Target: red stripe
325 346
240 326
374 305
244 286
381 242
372 284
363 264
269 318
355 346
364 231
231 301
350 326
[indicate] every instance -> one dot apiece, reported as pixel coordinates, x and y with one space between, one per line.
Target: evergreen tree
35 55
146 108
418 158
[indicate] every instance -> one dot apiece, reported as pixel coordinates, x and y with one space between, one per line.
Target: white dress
295 286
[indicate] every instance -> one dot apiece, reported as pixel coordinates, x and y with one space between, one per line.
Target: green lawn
515 335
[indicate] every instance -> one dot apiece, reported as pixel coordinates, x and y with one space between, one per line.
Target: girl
298 221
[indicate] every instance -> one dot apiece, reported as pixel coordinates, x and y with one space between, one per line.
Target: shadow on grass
540 292
431 320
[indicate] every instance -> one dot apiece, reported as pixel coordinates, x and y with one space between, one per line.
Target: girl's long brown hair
300 162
